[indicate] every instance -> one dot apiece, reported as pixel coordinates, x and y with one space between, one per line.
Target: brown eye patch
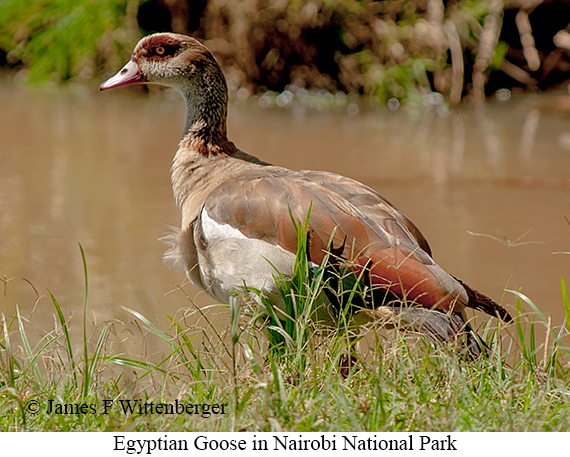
163 50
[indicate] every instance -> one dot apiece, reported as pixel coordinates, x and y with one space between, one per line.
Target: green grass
289 380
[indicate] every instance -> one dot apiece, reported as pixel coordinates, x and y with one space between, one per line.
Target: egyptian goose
236 210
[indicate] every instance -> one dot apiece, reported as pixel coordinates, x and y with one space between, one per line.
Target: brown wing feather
370 202
374 235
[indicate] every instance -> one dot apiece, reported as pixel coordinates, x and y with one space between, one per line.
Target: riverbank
389 50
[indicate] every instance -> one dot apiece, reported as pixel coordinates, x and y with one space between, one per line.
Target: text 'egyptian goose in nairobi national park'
236 210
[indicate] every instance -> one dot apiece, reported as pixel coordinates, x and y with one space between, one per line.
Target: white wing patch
229 260
212 229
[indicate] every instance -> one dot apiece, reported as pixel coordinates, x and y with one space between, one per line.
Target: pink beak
129 74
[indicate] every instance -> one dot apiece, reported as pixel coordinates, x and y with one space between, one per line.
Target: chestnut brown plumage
236 211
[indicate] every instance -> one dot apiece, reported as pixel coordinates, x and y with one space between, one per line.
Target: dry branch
487 43
527 41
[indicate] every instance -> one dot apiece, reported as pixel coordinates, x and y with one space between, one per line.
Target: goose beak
129 74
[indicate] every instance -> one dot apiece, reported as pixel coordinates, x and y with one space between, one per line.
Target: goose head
168 59
183 63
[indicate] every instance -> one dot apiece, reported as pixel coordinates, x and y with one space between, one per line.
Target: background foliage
384 49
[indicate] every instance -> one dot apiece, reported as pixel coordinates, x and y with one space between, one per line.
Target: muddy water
490 191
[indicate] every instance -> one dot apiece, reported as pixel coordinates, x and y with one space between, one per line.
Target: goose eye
159 50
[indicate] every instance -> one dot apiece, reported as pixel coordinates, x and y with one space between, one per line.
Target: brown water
89 168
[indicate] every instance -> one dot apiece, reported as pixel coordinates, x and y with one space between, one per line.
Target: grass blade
530 353
86 380
28 349
131 363
66 334
197 370
98 349
9 354
153 328
566 303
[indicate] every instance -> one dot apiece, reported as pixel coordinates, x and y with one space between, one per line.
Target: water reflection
94 169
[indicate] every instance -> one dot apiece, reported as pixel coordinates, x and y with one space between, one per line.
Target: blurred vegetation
60 40
401 49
